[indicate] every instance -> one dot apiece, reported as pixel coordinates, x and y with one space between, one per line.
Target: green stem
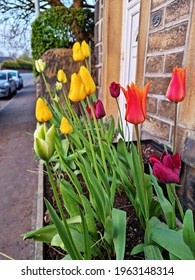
46 84
120 120
180 208
99 138
146 214
54 189
175 130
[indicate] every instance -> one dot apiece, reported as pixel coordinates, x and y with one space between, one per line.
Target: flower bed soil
134 232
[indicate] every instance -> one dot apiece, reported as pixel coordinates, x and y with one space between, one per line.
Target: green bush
60 27
17 64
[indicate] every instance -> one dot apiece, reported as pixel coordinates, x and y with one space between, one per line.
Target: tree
16 17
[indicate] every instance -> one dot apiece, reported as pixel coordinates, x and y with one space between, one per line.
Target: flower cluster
86 170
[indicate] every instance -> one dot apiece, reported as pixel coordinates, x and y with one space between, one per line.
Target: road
18 172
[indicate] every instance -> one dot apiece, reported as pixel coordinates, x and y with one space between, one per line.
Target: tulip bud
87 80
42 112
176 91
61 76
114 90
98 109
85 49
77 89
58 86
40 65
65 126
77 52
44 141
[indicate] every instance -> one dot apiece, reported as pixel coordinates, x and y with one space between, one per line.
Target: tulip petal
165 174
176 159
167 161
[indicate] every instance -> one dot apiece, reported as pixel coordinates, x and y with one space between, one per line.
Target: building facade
140 41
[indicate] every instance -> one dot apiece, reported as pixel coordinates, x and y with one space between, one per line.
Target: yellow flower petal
77 53
87 80
65 127
42 112
85 49
61 76
77 89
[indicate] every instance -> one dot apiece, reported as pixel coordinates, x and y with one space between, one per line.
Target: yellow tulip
65 126
42 112
40 65
77 89
85 49
61 76
87 80
77 52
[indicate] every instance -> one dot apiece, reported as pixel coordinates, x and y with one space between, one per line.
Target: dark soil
134 232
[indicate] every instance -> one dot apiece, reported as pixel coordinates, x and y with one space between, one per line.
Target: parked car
7 84
17 77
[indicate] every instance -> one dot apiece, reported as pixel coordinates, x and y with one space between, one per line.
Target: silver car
16 77
7 84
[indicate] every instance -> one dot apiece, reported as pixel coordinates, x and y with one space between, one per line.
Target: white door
131 10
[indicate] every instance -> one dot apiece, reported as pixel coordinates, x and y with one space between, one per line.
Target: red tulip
98 110
136 103
166 168
114 89
176 91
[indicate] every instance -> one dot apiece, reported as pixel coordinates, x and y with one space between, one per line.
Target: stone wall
167 45
56 59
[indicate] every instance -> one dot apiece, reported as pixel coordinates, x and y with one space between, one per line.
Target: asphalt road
18 172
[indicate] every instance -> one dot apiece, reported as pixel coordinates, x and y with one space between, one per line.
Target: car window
13 74
2 76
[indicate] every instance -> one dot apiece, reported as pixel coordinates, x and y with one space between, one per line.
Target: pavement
18 175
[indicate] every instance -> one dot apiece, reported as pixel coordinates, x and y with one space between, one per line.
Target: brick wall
167 44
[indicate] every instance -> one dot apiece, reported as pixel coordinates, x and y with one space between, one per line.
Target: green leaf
70 199
110 132
139 248
119 223
165 204
109 230
188 231
152 252
172 241
87 245
64 233
44 234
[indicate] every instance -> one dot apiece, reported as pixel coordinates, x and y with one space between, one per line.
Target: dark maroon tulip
98 108
114 89
166 168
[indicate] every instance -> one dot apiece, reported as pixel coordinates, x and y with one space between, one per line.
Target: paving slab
18 175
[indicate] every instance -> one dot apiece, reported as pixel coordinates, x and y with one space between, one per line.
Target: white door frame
130 27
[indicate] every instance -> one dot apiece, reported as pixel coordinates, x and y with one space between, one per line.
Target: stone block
177 10
151 105
166 109
188 153
156 3
154 64
157 128
181 136
158 85
169 38
173 60
157 19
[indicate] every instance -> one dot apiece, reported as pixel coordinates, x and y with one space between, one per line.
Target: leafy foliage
60 27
